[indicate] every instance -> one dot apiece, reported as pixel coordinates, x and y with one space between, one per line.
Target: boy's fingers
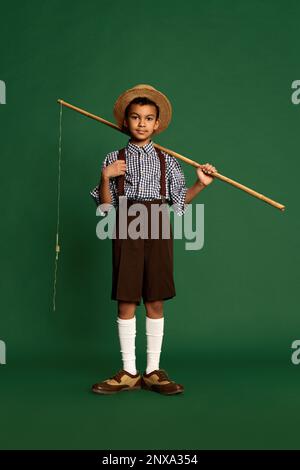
210 168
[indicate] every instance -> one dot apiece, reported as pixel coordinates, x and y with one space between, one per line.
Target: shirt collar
148 148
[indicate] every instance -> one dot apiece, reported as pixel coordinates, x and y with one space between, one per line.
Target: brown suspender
163 174
121 178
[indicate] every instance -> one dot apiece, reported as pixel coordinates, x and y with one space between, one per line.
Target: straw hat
148 91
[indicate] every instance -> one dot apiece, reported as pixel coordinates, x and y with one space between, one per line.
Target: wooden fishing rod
180 157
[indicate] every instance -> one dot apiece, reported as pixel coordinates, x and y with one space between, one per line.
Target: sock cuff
155 327
154 320
127 321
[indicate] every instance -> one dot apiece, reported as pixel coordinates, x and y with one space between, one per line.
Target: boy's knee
126 310
154 309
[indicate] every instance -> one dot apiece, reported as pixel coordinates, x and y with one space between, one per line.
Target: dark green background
227 67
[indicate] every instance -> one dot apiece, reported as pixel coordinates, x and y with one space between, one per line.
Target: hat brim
165 107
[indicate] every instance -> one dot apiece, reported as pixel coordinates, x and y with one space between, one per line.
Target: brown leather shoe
158 381
120 382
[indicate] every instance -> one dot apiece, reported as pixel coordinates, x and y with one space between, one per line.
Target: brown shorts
143 267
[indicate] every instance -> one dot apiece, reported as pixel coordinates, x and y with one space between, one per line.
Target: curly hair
141 100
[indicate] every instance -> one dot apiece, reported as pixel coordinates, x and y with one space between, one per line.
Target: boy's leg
154 333
127 378
154 378
126 322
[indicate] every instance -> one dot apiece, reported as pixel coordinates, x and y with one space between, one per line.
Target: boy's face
141 121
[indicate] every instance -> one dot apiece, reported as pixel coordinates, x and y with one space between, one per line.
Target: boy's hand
202 176
114 169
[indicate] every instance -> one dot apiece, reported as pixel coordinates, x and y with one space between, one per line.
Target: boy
143 267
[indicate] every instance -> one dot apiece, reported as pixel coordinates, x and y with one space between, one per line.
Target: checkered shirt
142 177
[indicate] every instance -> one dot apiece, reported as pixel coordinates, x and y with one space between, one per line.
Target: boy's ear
157 124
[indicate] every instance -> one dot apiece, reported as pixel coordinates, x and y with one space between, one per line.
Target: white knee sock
127 334
154 332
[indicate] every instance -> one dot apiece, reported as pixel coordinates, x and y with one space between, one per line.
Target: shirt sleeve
95 192
177 187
